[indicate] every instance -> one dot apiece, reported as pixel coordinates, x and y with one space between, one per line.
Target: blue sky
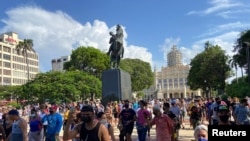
151 27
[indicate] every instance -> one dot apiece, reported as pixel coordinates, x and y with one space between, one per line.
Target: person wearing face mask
89 129
127 118
55 122
223 115
35 125
164 125
201 133
102 117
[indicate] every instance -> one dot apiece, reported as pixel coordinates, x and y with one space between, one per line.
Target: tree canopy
209 69
141 74
58 86
241 51
88 59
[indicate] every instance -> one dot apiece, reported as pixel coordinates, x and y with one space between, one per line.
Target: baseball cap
53 107
87 108
223 106
13 112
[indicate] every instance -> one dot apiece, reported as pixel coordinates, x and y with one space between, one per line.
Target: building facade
171 81
13 67
57 64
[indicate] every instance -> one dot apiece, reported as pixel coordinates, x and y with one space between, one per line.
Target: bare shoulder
103 129
22 121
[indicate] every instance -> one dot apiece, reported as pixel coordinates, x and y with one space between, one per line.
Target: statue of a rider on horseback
116 49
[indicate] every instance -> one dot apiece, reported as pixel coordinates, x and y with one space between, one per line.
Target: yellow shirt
66 114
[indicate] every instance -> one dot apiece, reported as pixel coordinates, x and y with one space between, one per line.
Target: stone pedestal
116 85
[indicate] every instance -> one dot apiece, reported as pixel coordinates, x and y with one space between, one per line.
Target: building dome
174 57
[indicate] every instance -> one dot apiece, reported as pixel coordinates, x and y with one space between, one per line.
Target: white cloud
225 41
56 34
239 26
168 44
231 14
217 5
187 52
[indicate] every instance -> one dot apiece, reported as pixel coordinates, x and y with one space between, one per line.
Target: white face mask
103 121
32 115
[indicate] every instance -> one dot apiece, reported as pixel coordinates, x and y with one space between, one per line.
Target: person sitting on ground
201 133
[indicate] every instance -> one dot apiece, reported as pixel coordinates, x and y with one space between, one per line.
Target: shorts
127 130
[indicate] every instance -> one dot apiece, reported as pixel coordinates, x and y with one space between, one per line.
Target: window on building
6 64
6 80
6 56
6 49
165 85
175 80
182 95
6 72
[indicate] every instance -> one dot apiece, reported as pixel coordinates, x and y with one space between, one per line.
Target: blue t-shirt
54 123
35 125
135 106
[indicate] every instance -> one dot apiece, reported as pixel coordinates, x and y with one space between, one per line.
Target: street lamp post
247 46
207 89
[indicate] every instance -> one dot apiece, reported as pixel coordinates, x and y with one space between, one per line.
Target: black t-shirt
126 115
89 135
170 114
196 113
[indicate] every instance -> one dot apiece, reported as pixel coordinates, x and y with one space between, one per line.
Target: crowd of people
92 121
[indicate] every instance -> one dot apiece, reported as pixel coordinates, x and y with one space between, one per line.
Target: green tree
241 51
209 69
8 92
23 47
62 86
140 94
240 89
233 64
141 74
88 59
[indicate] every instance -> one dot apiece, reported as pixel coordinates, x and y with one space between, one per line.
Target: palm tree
233 64
25 46
241 51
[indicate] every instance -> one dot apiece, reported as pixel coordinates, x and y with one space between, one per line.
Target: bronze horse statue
116 49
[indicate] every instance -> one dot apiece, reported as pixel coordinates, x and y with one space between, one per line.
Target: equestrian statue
116 49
